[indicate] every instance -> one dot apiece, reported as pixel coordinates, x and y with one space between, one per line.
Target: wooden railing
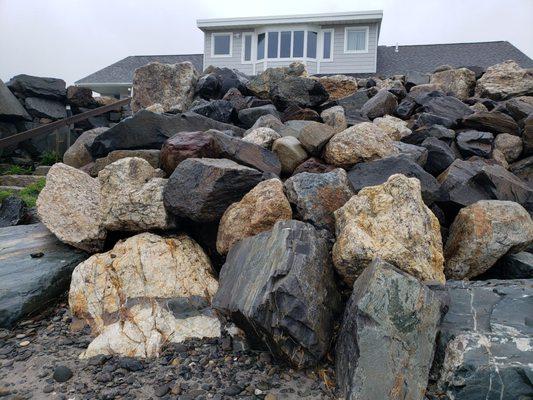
52 126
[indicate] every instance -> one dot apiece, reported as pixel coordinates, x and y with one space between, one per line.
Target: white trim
213 55
355 28
252 35
321 46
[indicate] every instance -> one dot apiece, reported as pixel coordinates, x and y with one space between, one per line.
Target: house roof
425 58
330 18
121 72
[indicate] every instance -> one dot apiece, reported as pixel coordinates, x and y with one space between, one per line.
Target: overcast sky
73 38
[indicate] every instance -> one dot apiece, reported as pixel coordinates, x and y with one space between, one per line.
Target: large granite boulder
458 82
484 232
69 205
359 143
132 196
263 137
335 117
261 84
317 196
78 154
510 146
505 80
383 103
394 127
34 86
290 153
314 136
145 292
257 212
171 85
10 108
45 108
484 342
491 121
303 92
29 284
386 342
201 189
279 287
389 221
148 130
339 86
151 156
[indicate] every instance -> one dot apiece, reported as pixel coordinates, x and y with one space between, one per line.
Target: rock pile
300 193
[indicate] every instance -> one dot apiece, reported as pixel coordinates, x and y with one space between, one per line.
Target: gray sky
70 39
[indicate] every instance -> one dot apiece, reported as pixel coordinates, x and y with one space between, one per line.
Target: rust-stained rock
339 86
145 292
313 165
458 82
389 221
257 212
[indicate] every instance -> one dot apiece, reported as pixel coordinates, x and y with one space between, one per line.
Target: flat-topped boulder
28 86
10 108
505 80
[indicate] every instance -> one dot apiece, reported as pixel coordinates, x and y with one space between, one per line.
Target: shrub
50 158
16 170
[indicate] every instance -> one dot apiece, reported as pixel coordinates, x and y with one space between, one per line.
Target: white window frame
291 29
321 45
213 35
355 28
253 41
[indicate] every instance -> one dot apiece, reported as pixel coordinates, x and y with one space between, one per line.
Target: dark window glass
222 45
260 46
273 38
285 45
327 45
311 44
247 48
298 44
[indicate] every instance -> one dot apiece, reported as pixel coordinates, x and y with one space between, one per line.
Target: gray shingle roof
425 58
122 71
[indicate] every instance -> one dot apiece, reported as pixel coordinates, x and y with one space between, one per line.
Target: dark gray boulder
440 156
12 211
278 286
10 108
448 107
383 103
475 143
436 131
413 78
303 92
218 81
45 108
414 153
518 108
35 271
201 189
386 342
406 108
317 196
219 110
249 116
34 86
376 172
523 169
491 121
527 136
428 119
78 96
511 266
148 130
484 342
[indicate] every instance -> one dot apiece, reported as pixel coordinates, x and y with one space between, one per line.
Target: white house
336 43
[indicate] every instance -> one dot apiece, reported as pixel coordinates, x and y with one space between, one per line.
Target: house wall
235 61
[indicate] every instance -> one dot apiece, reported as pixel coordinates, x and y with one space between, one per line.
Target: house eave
90 84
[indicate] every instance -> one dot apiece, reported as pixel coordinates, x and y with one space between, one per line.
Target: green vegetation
28 195
16 170
50 158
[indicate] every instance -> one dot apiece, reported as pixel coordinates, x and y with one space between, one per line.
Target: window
356 40
298 44
247 48
311 44
221 44
273 43
285 44
327 44
260 46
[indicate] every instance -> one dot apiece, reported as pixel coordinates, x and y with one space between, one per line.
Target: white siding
235 61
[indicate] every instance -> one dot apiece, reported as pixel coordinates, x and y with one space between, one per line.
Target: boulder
217 82
313 165
315 136
10 108
390 308
519 107
237 100
392 126
19 180
436 131
505 80
338 86
359 143
133 308
45 108
185 145
151 156
352 105
414 78
511 266
491 121
267 121
428 119
509 145
523 169
34 86
132 196
263 137
334 117
290 153
78 154
316 196
261 85
406 108
69 205
171 85
28 285
257 212
482 233
527 136
201 189
148 130
12 211
475 143
418 154
304 92
383 103
294 112
219 110
447 107
458 82
278 286
389 221
78 96
484 342
440 156
293 128
249 116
